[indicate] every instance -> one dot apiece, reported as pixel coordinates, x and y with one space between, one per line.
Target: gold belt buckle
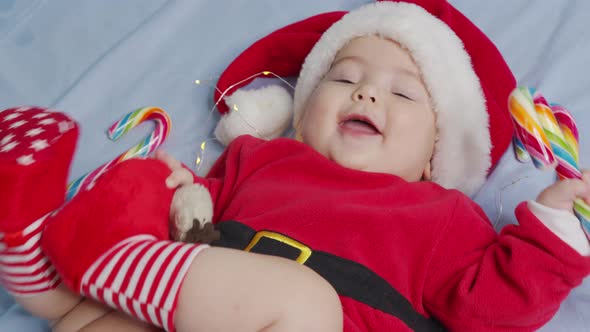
305 251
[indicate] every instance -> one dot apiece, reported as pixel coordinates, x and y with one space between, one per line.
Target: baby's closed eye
343 76
403 95
347 72
408 90
344 80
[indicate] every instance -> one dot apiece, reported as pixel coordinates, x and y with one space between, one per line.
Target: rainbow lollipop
520 150
142 149
568 128
570 157
566 155
560 131
529 134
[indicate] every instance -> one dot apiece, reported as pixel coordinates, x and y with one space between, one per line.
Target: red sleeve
213 184
234 164
513 281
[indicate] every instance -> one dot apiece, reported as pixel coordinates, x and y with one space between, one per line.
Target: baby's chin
356 158
352 161
366 164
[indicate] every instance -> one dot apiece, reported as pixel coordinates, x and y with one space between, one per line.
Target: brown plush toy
191 213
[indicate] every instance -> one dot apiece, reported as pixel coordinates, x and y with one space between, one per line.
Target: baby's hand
561 195
180 176
191 207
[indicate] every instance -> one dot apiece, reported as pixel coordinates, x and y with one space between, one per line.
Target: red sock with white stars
36 148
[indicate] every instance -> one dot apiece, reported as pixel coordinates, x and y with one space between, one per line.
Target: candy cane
528 130
520 150
560 131
142 149
567 166
568 128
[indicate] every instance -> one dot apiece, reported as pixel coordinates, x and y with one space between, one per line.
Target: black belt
348 278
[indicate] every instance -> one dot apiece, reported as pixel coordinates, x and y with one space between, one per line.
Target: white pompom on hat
468 80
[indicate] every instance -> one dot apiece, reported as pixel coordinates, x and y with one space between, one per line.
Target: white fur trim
264 113
563 224
462 154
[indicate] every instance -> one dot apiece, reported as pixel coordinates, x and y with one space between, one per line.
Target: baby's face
372 112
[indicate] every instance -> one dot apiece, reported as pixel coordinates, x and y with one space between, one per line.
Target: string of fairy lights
234 108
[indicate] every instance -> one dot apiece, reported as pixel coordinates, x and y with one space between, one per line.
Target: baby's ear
427 173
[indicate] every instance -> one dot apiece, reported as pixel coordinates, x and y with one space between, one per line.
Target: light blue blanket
98 60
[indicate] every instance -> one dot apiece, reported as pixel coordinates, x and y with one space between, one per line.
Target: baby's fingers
562 194
179 177
167 159
576 188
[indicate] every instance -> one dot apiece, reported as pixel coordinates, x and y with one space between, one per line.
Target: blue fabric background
98 60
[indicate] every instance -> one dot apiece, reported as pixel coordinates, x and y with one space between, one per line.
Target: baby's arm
481 281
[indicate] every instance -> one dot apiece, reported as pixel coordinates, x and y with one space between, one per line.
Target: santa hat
466 76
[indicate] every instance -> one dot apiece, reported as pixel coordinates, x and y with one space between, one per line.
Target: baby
399 114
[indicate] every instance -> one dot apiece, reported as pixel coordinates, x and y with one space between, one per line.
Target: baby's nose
361 96
365 94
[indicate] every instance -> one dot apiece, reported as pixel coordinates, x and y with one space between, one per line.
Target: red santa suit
434 246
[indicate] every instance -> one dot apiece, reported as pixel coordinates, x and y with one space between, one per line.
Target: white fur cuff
563 224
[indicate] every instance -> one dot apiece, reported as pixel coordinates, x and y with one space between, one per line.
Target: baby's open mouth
359 125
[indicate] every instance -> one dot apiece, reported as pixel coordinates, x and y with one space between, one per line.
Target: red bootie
130 199
111 243
36 149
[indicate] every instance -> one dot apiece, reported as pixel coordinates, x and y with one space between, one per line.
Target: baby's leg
117 322
89 315
69 312
126 261
231 290
28 275
226 290
51 305
36 148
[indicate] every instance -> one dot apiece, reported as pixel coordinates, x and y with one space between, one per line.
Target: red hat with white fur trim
467 78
